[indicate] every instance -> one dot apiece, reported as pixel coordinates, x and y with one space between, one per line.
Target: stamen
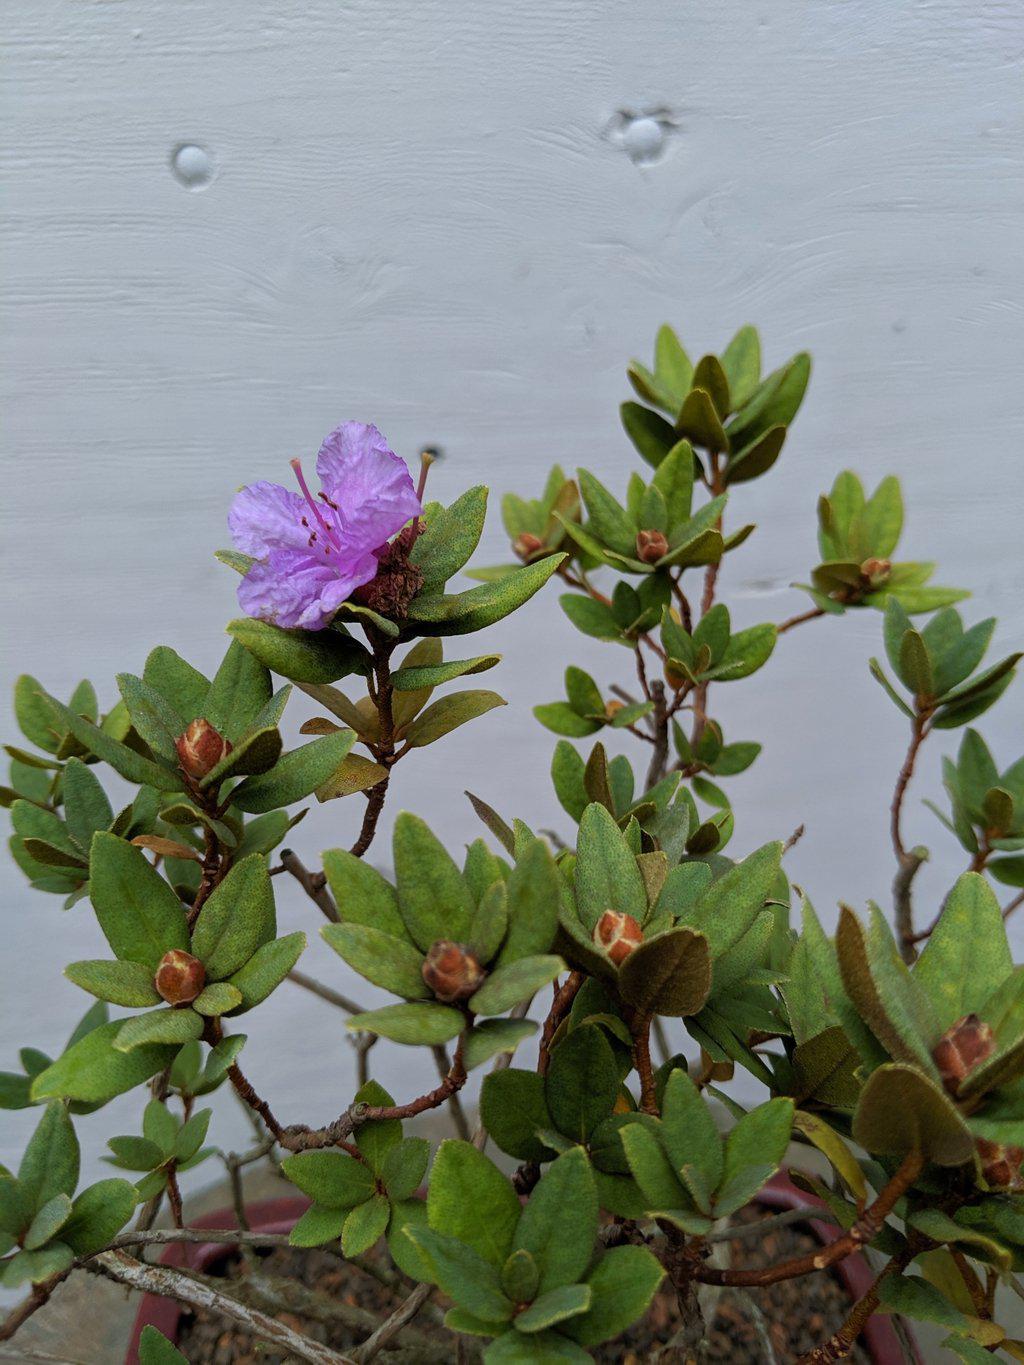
297 466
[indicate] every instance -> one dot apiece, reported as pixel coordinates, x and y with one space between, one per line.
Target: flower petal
265 517
370 486
292 589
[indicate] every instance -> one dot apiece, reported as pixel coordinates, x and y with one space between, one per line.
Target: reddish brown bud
961 1048
200 748
650 546
618 934
876 571
1001 1164
179 977
451 971
527 544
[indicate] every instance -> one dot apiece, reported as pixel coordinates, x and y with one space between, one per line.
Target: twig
390 1327
799 620
794 838
865 1230
565 994
171 1283
40 1294
1015 904
641 1031
313 883
908 860
455 1108
384 749
840 1344
328 993
659 720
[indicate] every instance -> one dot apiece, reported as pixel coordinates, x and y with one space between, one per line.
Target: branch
390 1328
313 883
840 1344
865 1230
171 1283
908 860
811 615
328 993
565 994
39 1295
384 750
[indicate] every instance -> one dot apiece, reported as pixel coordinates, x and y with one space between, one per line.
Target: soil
796 1315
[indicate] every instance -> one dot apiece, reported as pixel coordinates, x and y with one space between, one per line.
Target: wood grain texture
420 217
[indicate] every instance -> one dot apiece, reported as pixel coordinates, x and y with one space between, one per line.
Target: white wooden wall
438 217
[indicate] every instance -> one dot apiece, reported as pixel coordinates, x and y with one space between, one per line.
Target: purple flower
314 552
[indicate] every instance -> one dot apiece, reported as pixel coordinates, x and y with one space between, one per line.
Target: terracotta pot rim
280 1215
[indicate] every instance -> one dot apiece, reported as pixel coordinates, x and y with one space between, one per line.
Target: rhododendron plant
607 981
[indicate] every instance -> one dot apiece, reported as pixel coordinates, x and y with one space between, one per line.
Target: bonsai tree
608 980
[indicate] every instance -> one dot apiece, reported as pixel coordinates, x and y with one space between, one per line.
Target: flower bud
1000 1164
527 544
200 748
961 1048
650 546
451 971
876 571
618 934
612 708
179 977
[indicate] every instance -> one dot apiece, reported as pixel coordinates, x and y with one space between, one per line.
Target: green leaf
267 968
699 422
153 717
462 1274
592 618
365 1226
775 402
236 919
139 913
404 1167
606 874
493 1036
582 1083
471 1200
561 719
386 961
421 1022
515 981
608 521
729 906
483 606
741 361
122 983
433 898
411 679
689 1132
756 458
295 776
556 1305
747 651
448 713
175 679
622 1285
753 1152
122 759
333 1179
533 893
669 974
35 1266
98 1215
558 1225
256 753
916 1298
901 1110
319 1224
652 436
47 1222
653 1170
239 691
363 896
50 1162
216 999
967 955
449 536
159 1026
93 1071
35 715
86 807
513 1109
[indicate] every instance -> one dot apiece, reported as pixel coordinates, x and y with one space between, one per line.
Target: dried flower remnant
180 977
961 1048
452 971
314 552
618 934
